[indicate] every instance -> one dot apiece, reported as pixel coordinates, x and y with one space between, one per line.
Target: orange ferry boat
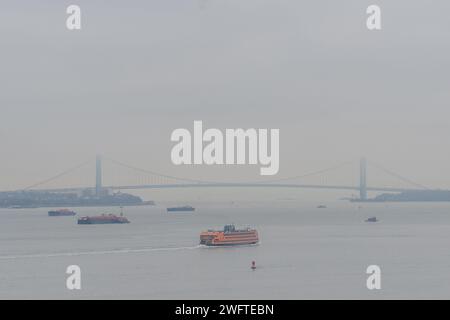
229 236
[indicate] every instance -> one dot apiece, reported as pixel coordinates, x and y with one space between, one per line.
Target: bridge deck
233 185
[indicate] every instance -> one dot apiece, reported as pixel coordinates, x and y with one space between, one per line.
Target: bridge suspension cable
156 173
218 182
70 170
165 180
340 165
406 180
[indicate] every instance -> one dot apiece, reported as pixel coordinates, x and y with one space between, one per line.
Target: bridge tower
98 175
362 179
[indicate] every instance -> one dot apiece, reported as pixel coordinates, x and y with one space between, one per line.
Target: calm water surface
305 252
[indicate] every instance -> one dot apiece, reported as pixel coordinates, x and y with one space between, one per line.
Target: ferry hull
218 244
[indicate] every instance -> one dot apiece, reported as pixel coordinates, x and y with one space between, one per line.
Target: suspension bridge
155 180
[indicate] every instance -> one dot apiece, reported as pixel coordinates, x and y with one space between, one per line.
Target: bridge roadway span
231 185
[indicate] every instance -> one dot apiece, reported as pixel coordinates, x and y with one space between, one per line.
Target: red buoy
253 265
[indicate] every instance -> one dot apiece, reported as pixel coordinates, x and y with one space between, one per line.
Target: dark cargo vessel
61 212
181 209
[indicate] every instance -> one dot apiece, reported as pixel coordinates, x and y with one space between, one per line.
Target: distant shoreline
144 203
409 196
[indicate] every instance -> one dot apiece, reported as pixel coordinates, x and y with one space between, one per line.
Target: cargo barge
229 236
61 213
181 209
103 219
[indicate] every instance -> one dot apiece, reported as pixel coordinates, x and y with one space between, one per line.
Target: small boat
229 236
321 206
61 212
372 219
181 209
103 219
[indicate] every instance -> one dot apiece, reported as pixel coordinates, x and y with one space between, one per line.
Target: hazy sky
140 69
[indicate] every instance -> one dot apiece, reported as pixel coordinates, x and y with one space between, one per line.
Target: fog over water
137 71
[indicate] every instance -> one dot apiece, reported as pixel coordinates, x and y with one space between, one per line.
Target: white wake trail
86 253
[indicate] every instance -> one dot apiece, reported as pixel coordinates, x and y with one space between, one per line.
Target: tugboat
61 212
372 219
181 209
229 236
